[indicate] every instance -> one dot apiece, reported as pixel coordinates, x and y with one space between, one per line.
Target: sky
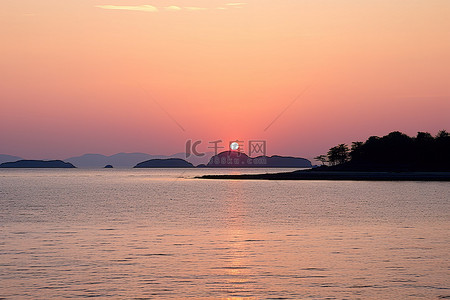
109 76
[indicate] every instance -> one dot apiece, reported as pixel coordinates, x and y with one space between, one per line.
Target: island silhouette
235 159
37 164
165 163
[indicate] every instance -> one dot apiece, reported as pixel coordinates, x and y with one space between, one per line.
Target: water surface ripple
163 234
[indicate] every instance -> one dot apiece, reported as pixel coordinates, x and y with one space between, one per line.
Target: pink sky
78 76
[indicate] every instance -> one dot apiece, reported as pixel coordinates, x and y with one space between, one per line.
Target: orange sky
78 76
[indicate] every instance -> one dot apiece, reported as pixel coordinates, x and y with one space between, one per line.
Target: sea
165 234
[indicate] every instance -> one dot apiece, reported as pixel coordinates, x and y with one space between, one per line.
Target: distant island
395 156
37 164
165 163
234 159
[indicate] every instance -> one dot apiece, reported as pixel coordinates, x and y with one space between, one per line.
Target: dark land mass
394 157
340 175
396 152
37 164
108 167
234 159
165 163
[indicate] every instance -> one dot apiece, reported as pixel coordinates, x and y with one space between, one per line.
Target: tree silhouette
338 154
394 152
355 152
322 158
442 145
356 145
442 134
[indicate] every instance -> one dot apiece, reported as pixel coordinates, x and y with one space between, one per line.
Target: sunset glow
103 76
224 149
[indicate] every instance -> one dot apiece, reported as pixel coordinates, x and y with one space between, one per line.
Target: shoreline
339 175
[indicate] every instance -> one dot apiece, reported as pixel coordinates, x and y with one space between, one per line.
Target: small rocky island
108 167
37 164
165 163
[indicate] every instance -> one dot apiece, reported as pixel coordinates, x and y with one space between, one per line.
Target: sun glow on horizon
74 73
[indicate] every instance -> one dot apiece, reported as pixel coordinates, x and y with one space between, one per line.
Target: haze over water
163 234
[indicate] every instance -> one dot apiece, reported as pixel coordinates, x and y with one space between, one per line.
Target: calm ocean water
163 234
